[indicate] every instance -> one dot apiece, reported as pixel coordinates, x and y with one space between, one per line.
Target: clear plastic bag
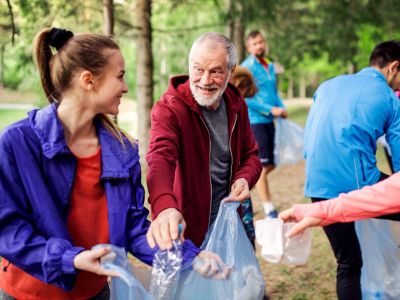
380 275
126 286
289 139
228 239
166 271
271 236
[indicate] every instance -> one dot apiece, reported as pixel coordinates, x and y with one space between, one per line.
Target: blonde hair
83 51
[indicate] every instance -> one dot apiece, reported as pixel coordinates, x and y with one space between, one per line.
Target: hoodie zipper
230 150
209 175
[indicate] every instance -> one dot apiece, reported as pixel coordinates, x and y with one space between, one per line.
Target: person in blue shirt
349 114
263 107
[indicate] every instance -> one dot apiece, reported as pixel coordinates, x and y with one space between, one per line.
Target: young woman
70 178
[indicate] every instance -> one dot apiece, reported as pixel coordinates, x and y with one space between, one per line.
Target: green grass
8 116
298 114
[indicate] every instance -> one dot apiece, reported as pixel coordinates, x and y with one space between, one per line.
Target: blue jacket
349 113
37 172
267 96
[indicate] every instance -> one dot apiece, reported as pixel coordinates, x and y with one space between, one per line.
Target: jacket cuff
67 260
190 251
162 203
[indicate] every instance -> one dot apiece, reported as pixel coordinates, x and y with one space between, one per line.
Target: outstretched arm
379 199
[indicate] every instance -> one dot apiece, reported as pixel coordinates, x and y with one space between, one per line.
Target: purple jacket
37 171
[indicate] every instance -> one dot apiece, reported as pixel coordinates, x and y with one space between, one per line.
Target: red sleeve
161 158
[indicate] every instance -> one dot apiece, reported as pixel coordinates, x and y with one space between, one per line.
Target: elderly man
201 149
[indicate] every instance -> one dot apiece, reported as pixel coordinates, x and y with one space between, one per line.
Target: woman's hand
90 260
304 223
210 265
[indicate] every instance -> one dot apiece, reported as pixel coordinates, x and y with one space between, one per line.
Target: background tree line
312 39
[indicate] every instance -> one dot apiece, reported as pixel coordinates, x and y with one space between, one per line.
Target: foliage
312 39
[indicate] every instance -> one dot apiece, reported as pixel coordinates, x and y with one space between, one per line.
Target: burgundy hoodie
179 154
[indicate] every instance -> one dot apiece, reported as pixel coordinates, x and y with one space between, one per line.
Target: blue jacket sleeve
139 225
49 259
256 104
393 134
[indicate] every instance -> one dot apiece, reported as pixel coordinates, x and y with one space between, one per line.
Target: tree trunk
144 73
235 29
108 17
302 87
229 28
239 28
290 88
2 50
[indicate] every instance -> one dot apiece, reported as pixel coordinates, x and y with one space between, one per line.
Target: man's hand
164 229
90 260
279 112
239 191
289 216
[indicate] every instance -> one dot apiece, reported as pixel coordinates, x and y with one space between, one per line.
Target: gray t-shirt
220 156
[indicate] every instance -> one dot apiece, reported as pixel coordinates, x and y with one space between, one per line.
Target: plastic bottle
166 270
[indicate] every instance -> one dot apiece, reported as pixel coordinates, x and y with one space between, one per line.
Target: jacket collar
374 72
179 87
117 159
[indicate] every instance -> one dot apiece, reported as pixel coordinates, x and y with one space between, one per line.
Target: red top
264 62
88 226
179 153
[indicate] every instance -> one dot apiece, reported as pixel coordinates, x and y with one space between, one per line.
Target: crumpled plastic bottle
166 271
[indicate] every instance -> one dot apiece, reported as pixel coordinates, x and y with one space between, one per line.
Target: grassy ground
316 279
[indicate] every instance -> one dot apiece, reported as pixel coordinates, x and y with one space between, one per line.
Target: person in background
201 146
70 178
264 106
243 80
373 201
349 114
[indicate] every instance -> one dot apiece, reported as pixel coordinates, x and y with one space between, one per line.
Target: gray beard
204 100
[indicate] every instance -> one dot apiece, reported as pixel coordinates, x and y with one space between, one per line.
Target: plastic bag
166 271
288 147
380 274
126 286
228 239
271 236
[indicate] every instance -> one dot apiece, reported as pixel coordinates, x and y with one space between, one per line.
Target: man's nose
206 78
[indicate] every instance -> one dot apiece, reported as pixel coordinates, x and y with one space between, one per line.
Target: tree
235 26
108 17
144 71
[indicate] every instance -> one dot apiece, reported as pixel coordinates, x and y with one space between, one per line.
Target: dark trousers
345 246
347 251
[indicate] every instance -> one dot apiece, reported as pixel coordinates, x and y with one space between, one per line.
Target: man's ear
86 80
393 67
232 70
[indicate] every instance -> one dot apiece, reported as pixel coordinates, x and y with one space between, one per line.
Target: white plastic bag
288 147
271 235
380 274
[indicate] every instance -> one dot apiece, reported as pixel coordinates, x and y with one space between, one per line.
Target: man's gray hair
218 39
